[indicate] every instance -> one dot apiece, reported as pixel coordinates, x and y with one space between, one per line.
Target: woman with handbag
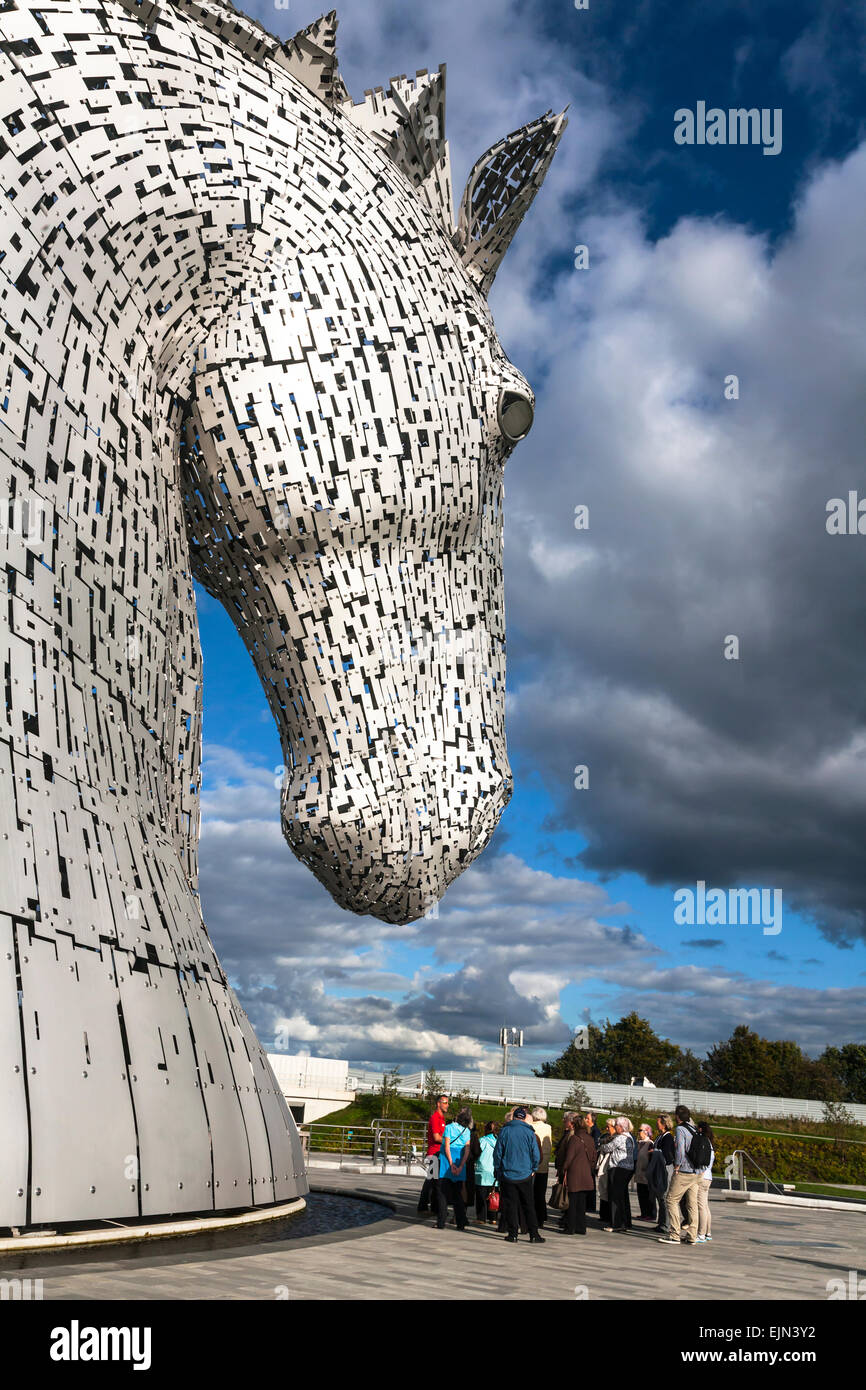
485 1182
576 1167
559 1195
452 1169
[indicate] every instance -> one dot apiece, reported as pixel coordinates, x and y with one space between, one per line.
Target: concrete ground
758 1252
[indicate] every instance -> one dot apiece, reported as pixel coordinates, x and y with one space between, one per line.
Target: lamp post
509 1037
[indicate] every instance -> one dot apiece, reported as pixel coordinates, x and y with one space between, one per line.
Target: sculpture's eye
515 414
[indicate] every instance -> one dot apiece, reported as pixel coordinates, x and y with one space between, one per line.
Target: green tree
617 1052
686 1071
846 1070
743 1063
749 1063
632 1048
575 1064
388 1091
840 1120
432 1088
577 1098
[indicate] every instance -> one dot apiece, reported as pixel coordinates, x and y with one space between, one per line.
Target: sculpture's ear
311 57
408 121
498 193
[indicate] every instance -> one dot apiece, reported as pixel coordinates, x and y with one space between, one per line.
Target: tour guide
515 1159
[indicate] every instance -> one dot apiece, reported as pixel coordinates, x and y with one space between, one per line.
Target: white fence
604 1095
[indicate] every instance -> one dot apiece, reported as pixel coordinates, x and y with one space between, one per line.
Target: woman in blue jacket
484 1176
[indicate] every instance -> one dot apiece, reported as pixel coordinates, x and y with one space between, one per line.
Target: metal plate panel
15 1143
81 1119
174 1145
231 1152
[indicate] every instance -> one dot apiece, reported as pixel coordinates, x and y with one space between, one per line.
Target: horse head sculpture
246 342
351 416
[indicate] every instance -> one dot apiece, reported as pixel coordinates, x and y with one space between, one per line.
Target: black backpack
700 1151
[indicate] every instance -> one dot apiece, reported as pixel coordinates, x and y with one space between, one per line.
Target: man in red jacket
435 1130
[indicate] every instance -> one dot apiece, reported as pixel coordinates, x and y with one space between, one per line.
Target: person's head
664 1122
623 1124
442 1105
645 1131
491 1127
704 1128
683 1114
508 1116
464 1117
589 1119
610 1124
539 1113
520 1113
568 1119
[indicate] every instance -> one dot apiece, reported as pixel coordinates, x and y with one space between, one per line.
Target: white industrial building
312 1086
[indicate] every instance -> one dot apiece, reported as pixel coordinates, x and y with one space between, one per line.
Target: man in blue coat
515 1159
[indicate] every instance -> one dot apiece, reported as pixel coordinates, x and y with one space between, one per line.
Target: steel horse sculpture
244 342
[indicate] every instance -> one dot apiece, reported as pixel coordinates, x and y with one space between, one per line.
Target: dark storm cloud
707 519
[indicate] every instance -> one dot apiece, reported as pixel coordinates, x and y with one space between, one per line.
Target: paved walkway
757 1253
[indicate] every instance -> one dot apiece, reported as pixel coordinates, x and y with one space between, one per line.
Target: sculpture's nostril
515 414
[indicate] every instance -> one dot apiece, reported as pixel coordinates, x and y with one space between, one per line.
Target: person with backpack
485 1179
692 1153
452 1169
622 1153
706 1181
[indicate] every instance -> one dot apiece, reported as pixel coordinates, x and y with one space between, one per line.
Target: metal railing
739 1155
406 1140
387 1145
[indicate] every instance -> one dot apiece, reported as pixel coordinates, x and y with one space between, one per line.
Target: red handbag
493 1201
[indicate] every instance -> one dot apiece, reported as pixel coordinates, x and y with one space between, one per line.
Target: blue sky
707 518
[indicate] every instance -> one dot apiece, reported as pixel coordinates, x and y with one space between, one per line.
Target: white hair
539 1113
623 1122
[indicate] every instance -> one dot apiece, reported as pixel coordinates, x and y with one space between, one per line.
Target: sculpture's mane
408 121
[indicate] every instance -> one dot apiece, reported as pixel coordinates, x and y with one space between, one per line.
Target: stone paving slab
761 1254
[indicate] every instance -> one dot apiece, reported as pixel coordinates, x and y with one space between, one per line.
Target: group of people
505 1173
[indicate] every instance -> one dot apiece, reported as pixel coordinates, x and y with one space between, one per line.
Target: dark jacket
665 1144
518 1153
578 1162
560 1151
644 1149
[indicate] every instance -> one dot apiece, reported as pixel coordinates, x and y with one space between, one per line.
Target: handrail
366 1143
769 1182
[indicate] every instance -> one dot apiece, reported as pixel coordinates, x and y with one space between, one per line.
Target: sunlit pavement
757 1252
